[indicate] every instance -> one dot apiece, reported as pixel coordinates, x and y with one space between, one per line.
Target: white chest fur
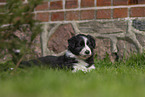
81 65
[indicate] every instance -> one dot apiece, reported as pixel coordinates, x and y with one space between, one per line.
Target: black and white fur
79 55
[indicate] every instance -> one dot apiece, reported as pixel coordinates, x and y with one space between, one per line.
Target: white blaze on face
85 48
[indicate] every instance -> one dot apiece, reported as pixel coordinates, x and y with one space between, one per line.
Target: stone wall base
117 38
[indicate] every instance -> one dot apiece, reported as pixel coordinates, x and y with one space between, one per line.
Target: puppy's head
81 45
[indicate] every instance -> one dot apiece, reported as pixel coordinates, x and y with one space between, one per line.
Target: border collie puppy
79 56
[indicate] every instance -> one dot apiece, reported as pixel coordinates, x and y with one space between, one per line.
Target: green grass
120 79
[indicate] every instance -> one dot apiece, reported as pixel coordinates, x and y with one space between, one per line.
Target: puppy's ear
92 40
72 42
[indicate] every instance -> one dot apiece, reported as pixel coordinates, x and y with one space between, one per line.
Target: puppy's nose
87 52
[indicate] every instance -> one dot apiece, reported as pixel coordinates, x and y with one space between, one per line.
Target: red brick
103 2
137 12
141 1
104 14
56 5
44 17
120 2
71 4
43 6
132 2
87 3
2 0
87 14
57 16
120 12
136 2
72 15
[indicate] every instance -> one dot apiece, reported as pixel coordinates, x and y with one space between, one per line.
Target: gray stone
139 24
125 49
44 38
141 39
110 27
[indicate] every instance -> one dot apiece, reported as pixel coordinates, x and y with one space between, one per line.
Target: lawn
119 79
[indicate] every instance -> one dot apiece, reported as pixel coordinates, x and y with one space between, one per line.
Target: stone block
125 49
139 24
103 47
141 39
58 40
103 27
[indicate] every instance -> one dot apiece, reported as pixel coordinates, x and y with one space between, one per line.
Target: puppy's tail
30 63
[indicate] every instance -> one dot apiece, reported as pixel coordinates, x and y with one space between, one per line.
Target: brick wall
68 10
78 10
